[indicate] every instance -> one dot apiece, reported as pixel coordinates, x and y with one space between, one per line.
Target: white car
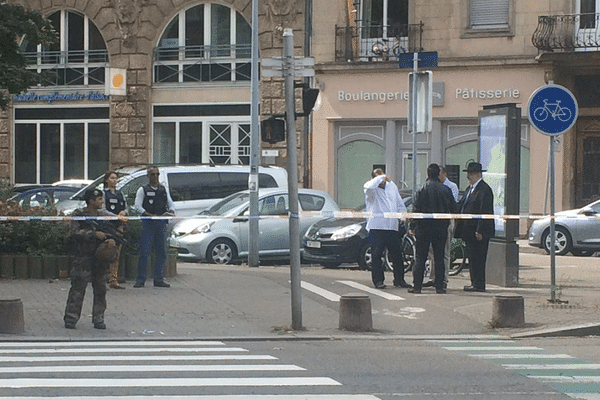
220 234
577 231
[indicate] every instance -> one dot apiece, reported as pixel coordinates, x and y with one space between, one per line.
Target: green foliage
16 22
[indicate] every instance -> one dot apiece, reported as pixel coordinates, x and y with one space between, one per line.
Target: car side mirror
588 212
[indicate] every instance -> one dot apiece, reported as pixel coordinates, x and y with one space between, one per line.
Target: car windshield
227 204
98 183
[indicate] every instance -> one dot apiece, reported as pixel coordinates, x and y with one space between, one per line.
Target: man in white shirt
382 196
443 177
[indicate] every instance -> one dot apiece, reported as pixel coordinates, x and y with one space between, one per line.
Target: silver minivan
193 188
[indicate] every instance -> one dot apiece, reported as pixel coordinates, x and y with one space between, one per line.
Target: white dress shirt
379 201
453 188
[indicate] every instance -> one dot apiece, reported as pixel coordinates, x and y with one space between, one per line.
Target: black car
335 241
44 196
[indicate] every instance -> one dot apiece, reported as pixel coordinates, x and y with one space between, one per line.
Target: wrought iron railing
567 33
70 68
202 63
377 42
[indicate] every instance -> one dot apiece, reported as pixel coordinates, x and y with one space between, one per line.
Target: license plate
313 244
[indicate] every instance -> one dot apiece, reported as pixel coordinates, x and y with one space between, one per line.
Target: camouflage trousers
84 270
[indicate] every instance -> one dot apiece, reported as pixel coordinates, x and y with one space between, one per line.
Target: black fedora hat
474 167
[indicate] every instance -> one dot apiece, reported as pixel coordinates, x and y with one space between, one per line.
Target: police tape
305 214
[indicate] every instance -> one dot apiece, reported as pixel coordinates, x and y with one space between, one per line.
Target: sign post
552 110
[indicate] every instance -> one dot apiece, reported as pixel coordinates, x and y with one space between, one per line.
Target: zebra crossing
124 370
573 377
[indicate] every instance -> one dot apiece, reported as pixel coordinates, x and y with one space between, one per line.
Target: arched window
78 58
205 43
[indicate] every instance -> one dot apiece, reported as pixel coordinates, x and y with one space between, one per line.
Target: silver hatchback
577 231
220 234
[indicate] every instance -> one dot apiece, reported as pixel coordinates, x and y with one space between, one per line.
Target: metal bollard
508 311
355 312
11 316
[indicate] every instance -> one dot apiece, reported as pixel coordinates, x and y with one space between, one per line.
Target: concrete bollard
508 311
355 312
11 316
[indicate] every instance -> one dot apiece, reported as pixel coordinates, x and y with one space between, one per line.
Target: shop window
205 43
79 58
190 134
65 146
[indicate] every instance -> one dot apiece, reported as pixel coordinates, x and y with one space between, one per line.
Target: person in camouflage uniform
85 266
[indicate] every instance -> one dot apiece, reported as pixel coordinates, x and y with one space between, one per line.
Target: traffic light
272 130
309 98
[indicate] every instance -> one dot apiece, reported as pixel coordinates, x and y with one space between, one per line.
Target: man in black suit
476 233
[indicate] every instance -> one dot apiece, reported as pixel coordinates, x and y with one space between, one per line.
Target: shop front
361 124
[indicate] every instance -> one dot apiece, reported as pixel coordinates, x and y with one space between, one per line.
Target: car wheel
582 253
562 243
365 259
221 251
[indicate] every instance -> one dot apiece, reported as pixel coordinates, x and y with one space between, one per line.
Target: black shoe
99 325
403 284
429 284
70 325
471 288
138 284
414 291
380 286
161 284
440 291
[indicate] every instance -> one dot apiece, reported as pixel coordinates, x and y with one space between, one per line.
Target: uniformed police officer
114 202
151 200
85 266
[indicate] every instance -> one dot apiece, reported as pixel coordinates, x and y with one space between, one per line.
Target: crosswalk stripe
552 366
144 343
376 292
567 379
20 383
214 357
493 348
320 291
150 368
517 356
218 397
580 396
128 350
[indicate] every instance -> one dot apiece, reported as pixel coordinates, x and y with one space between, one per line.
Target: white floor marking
218 397
321 292
135 358
567 379
493 348
145 343
162 350
376 292
164 382
525 356
150 368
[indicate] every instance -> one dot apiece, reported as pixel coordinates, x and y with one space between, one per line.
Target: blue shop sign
52 97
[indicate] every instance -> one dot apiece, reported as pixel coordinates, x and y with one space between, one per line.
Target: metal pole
413 127
552 227
254 146
294 222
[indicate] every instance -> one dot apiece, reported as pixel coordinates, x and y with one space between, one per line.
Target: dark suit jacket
481 201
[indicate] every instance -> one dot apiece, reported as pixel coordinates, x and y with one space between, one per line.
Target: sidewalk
226 302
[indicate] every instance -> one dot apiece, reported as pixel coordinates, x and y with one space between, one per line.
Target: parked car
577 231
335 241
220 234
193 188
78 183
44 196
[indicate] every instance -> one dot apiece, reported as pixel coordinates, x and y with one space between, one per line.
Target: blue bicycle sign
552 109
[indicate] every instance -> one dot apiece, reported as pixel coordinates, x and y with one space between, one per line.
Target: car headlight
204 228
346 232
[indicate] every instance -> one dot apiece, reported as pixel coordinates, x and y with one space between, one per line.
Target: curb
591 329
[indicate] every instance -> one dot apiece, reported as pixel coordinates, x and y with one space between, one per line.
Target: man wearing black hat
476 233
85 267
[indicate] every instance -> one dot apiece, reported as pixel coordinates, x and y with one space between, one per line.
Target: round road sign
552 109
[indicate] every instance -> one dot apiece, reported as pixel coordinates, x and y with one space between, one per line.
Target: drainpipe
306 179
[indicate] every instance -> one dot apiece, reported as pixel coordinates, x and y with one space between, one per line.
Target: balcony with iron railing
567 33
217 63
69 68
377 42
